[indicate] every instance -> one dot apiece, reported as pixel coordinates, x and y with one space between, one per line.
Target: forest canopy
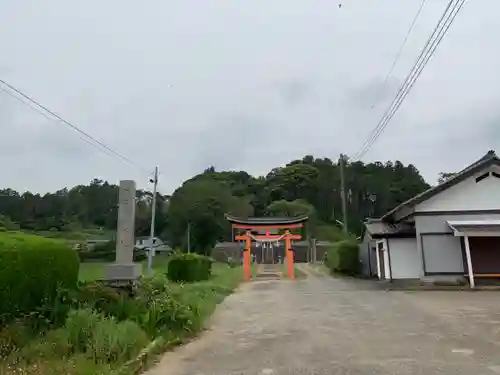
308 185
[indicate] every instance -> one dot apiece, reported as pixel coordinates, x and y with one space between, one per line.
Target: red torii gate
267 224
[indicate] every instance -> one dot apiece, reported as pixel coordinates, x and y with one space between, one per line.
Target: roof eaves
268 220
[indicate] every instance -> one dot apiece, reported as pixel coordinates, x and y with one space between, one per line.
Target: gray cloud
294 92
239 85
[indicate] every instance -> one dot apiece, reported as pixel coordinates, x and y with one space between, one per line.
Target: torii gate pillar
288 237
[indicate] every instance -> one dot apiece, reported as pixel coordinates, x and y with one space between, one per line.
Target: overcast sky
239 84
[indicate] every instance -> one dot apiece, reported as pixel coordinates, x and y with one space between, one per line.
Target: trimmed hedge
343 257
189 268
32 269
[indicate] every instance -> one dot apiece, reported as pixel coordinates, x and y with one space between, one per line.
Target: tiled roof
267 220
489 159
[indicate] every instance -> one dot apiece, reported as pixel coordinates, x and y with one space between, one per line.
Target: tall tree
443 176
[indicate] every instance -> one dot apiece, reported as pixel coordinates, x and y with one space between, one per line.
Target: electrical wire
425 55
18 99
400 52
417 69
376 131
86 137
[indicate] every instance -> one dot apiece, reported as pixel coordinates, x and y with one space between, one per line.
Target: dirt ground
322 325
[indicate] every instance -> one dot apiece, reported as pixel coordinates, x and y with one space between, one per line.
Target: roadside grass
57 352
322 268
299 274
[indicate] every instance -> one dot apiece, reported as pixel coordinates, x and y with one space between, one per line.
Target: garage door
485 255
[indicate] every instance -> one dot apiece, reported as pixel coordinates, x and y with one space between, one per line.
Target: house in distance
450 232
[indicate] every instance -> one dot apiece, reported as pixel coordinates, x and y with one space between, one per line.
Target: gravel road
323 325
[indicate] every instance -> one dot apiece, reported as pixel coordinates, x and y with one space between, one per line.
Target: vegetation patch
189 268
343 258
32 270
106 331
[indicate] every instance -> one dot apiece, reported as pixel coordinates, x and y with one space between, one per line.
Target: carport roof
475 227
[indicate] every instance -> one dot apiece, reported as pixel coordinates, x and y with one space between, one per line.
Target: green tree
296 181
298 207
200 203
443 176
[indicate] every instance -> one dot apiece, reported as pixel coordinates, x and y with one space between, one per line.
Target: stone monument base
123 272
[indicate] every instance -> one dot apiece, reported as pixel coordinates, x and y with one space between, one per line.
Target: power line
400 52
402 90
425 55
37 106
434 41
51 119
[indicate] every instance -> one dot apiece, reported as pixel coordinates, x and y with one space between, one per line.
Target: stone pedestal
123 272
124 268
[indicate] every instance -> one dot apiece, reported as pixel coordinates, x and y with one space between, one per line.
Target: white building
450 231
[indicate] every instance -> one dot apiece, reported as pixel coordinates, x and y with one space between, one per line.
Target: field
95 270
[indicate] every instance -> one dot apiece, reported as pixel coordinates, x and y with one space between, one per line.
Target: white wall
442 253
364 254
467 195
385 254
405 260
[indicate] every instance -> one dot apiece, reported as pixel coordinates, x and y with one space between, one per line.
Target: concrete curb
439 289
138 364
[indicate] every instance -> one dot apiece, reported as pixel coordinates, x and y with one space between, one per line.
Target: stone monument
124 268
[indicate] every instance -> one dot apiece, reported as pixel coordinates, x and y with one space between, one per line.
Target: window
482 177
495 174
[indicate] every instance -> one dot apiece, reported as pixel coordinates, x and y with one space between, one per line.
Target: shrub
109 301
80 327
55 344
343 257
233 263
189 268
114 341
103 339
149 287
32 270
13 337
168 313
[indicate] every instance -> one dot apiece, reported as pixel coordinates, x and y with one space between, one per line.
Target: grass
46 357
91 271
299 274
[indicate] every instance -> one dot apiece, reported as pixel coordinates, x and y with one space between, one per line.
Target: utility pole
154 181
189 237
342 192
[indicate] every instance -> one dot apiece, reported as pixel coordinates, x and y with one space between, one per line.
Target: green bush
189 268
32 270
80 326
116 342
343 258
167 313
109 301
55 344
13 337
105 340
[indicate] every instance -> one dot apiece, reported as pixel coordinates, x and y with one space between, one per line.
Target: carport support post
469 262
377 256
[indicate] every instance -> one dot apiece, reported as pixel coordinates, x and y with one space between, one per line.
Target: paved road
321 325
